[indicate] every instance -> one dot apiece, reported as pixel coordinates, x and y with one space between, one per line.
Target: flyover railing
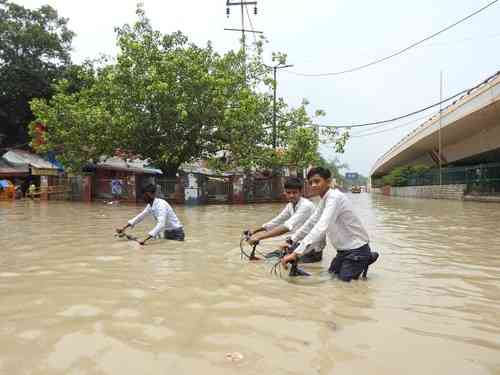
481 179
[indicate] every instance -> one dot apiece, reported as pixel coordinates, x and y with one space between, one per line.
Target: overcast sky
324 36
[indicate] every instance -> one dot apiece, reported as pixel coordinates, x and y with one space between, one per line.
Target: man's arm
160 224
136 220
283 216
258 230
318 232
272 228
308 225
156 230
299 216
139 218
277 231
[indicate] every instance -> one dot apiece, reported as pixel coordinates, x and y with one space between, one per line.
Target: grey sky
328 35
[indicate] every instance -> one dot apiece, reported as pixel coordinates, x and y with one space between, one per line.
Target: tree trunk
170 170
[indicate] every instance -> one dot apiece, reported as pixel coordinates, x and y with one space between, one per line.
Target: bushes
401 176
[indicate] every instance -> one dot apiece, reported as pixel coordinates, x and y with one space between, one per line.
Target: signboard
352 176
44 172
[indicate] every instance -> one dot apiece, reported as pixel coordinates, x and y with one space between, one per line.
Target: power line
370 133
448 43
394 118
363 131
464 40
466 91
251 24
397 53
388 120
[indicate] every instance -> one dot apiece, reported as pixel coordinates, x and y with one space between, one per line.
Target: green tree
336 167
170 102
82 127
34 51
401 176
302 148
171 95
163 99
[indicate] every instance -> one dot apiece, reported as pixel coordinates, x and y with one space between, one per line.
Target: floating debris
234 357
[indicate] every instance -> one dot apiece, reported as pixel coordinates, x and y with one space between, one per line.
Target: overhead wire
394 118
363 131
349 126
447 43
388 120
251 24
378 124
399 52
464 40
399 126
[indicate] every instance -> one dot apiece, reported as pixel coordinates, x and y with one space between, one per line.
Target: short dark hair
294 183
149 189
320 171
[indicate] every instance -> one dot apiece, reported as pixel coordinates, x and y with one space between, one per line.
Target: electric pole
242 5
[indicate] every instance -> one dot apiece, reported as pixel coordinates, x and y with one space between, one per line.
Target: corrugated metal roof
12 169
28 158
138 165
193 168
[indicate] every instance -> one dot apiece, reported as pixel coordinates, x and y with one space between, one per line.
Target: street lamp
275 68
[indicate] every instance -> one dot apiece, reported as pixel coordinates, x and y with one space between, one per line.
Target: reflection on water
76 300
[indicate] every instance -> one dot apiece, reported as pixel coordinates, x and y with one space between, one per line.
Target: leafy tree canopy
170 101
34 51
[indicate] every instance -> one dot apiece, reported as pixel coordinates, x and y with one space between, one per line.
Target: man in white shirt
166 219
336 218
293 216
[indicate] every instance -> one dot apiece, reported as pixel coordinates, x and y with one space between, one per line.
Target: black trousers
349 264
174 234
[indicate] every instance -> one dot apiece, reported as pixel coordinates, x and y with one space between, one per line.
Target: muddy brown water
76 300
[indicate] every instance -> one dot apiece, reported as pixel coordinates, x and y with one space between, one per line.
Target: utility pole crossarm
229 3
245 30
242 4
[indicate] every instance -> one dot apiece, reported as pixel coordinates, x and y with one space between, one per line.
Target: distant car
356 189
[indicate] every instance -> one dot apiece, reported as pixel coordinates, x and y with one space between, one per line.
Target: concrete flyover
470 134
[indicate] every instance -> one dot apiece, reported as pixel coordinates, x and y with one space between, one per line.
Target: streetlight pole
275 84
440 146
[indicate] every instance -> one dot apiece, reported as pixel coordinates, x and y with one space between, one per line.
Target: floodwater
76 300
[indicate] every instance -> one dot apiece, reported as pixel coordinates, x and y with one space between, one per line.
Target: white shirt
335 217
165 217
292 217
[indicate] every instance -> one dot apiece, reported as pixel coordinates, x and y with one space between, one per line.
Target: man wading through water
293 216
165 217
334 217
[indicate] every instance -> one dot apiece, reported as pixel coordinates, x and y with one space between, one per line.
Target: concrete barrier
454 192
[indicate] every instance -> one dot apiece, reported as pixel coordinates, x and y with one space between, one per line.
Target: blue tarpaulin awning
52 158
